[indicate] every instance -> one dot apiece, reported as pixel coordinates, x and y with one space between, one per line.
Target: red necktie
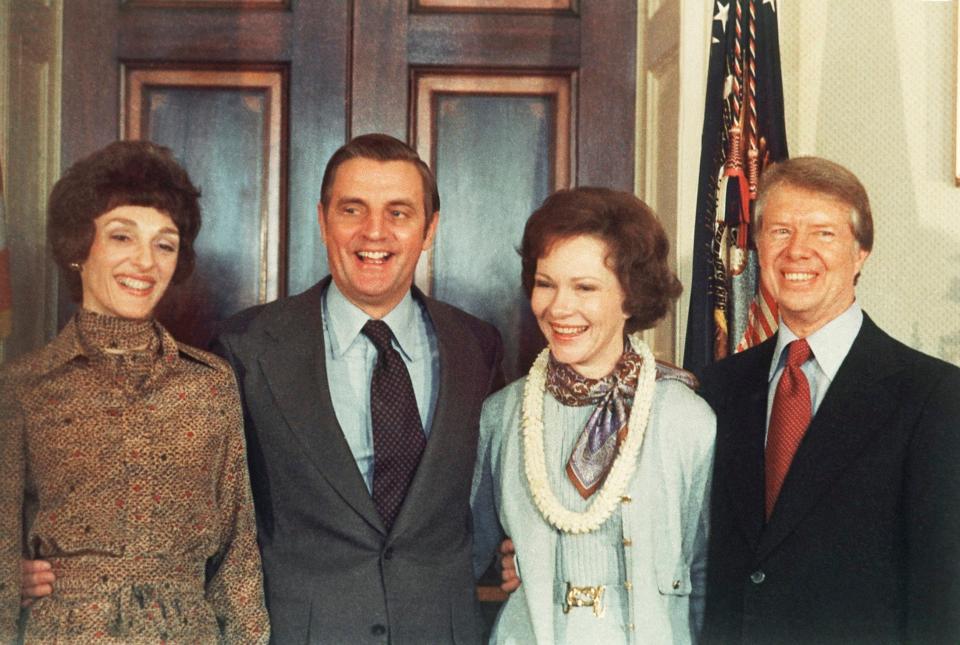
398 439
788 420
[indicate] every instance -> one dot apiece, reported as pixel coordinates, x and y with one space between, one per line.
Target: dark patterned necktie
398 439
789 419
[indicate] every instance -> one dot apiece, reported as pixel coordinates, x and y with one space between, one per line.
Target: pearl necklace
606 498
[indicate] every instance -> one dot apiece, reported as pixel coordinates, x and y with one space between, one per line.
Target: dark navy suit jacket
863 545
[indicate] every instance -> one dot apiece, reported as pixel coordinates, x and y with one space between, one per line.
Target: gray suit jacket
332 572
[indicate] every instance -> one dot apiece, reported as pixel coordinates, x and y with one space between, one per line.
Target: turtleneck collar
100 332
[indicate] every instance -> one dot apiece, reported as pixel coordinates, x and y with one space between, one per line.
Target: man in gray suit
339 566
334 568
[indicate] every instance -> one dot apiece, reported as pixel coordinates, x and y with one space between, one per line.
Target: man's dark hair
382 147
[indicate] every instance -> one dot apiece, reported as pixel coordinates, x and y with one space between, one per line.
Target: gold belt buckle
584 597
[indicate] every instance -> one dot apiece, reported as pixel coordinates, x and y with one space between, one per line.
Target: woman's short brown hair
637 245
125 173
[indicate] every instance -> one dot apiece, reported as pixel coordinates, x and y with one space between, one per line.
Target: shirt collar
67 345
830 344
345 321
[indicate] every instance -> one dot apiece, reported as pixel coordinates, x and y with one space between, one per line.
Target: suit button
757 577
378 630
388 553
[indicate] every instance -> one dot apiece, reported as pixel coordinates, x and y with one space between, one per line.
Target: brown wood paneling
91 77
319 124
205 35
211 4
607 94
598 43
379 69
495 5
495 40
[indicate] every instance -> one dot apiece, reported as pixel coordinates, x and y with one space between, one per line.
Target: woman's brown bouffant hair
637 246
125 173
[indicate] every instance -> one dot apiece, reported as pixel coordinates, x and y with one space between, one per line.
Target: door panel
222 143
240 116
500 144
501 176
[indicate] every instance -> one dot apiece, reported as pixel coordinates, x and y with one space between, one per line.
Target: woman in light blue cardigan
597 464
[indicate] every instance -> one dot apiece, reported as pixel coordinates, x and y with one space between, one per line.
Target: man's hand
36 581
508 567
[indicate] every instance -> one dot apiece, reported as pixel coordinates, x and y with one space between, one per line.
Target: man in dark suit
338 568
836 501
362 490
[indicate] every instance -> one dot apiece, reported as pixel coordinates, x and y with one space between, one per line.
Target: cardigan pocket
673 577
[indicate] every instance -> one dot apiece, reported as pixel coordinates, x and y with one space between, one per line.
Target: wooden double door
507 100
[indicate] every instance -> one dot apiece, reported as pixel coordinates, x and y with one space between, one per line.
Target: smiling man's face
809 257
375 229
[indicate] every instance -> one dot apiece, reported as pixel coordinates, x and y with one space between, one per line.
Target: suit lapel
854 408
455 380
295 370
744 437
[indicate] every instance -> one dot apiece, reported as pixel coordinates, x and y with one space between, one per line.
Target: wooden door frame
105 35
606 101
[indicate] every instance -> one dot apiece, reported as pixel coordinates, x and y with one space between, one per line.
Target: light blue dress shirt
830 345
351 357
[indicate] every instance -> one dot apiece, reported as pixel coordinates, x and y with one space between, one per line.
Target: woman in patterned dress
597 464
121 450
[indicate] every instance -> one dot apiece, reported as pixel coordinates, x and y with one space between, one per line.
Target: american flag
743 132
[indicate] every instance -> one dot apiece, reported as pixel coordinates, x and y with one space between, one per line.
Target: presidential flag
743 132
5 298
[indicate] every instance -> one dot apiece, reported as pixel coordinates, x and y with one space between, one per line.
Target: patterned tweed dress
123 463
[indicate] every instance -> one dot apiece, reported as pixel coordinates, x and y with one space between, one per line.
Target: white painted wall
871 84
